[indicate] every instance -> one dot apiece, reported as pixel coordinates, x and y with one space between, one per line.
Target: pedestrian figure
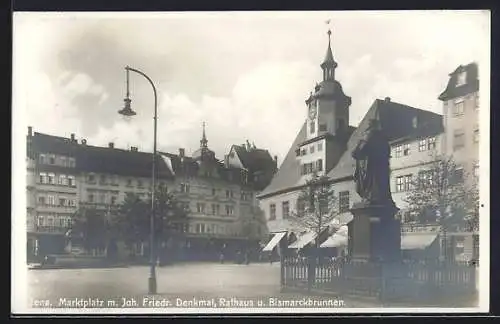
221 257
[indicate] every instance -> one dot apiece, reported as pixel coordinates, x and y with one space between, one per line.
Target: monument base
374 233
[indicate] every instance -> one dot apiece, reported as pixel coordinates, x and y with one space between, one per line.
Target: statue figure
371 175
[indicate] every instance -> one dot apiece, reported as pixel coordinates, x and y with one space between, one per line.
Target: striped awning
303 240
274 241
339 238
417 241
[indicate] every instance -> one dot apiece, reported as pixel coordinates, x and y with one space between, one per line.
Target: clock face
312 111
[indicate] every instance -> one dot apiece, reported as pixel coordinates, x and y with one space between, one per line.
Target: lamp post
128 112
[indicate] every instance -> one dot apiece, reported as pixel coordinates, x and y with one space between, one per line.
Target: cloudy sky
245 74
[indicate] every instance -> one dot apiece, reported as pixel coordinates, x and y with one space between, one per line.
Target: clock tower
327 122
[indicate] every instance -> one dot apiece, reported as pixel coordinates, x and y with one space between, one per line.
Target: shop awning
303 240
417 241
339 238
274 241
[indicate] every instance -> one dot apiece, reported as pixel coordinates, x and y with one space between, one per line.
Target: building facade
461 118
64 174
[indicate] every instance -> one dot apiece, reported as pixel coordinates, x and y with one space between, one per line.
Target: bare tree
316 207
441 194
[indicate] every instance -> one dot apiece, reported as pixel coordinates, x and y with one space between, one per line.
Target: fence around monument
401 281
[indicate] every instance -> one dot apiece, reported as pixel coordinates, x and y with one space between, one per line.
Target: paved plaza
200 279
186 281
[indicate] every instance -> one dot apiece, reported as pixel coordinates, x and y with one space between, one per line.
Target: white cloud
246 76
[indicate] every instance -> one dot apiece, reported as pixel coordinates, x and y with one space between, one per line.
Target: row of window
458 108
459 138
200 208
423 145
203 228
53 220
343 201
428 178
310 149
57 201
308 168
59 160
101 198
60 179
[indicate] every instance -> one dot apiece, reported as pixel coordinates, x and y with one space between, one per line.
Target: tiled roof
288 173
118 161
43 143
100 159
254 159
397 119
471 85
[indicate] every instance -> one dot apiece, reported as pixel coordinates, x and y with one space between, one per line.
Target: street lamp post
128 112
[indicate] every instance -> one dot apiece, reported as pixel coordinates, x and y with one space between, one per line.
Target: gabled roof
396 119
288 173
254 159
471 85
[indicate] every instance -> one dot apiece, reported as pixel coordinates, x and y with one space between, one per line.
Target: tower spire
204 140
329 63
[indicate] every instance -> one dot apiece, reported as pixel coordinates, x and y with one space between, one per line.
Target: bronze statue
372 172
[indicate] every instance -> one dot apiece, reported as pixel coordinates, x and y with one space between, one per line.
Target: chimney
387 99
111 145
182 152
276 161
30 131
133 149
84 141
72 137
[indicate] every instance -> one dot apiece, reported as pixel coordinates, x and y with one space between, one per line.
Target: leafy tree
133 219
441 194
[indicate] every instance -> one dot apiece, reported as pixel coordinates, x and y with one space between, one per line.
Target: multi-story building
52 190
64 174
461 117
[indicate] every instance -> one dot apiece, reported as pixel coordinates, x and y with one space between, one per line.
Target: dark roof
43 143
255 159
191 166
287 175
471 84
118 161
100 159
397 121
431 127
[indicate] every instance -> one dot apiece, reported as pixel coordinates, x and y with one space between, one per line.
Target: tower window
312 127
461 78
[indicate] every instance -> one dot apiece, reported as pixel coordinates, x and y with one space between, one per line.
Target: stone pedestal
374 233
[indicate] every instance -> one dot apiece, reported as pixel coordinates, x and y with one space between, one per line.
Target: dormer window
461 78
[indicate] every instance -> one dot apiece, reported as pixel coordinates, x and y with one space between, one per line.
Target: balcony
55 208
47 229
